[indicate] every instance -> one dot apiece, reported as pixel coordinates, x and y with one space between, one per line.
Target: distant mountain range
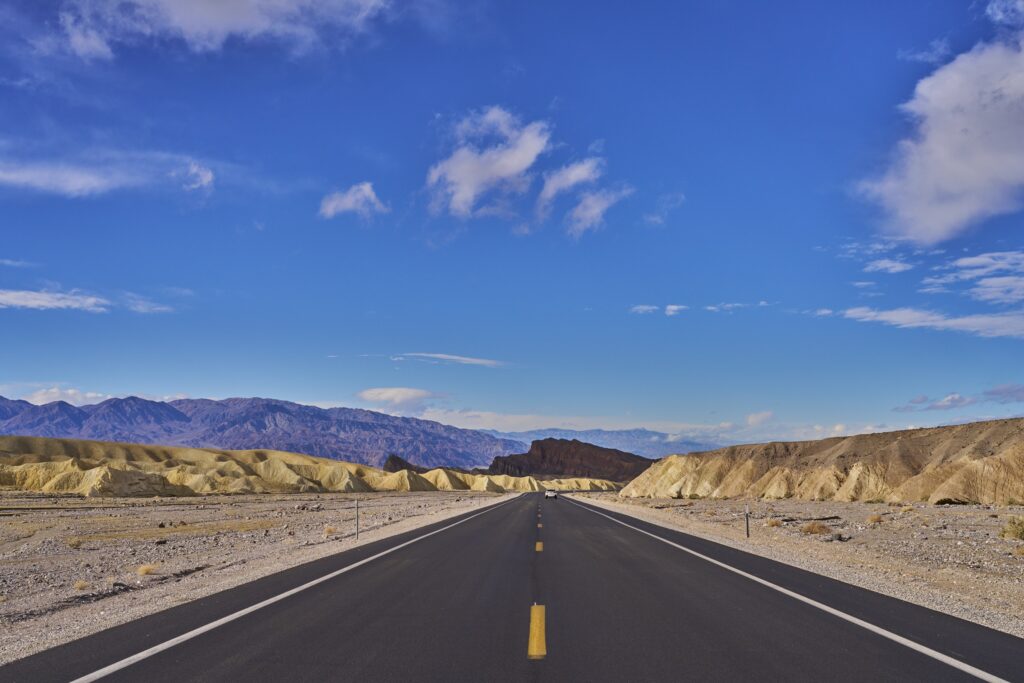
348 434
645 442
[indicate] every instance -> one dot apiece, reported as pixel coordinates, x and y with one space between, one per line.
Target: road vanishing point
538 590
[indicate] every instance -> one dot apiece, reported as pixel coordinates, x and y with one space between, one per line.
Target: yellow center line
538 647
540 546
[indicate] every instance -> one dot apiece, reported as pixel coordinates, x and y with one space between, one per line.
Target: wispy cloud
566 178
42 300
758 419
397 397
359 199
70 395
665 204
140 304
589 213
994 277
675 309
725 307
887 265
93 29
1009 324
16 263
935 53
494 152
451 358
642 309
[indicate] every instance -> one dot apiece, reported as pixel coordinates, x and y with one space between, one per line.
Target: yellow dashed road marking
538 647
540 546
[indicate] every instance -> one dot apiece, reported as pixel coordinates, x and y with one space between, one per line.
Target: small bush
875 519
146 569
773 522
1014 529
816 528
81 585
907 508
329 530
74 543
1019 551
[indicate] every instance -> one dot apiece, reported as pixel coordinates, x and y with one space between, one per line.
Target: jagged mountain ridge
644 442
349 434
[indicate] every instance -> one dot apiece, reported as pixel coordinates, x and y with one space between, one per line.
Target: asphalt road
619 604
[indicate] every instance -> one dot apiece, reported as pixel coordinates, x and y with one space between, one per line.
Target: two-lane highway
535 589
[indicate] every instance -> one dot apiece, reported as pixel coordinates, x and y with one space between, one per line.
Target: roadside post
746 517
357 520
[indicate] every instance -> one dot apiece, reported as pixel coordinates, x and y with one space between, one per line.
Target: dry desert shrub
329 530
81 585
773 522
875 519
146 569
907 508
816 528
1019 551
1014 529
74 543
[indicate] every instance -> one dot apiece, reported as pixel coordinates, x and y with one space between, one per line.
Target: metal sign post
746 517
357 519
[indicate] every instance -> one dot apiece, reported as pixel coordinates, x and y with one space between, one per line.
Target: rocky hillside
97 468
981 462
350 434
570 458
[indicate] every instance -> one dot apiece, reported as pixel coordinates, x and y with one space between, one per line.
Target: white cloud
359 199
949 402
995 277
92 27
451 358
887 265
665 205
642 309
675 309
758 419
1007 289
69 394
140 304
66 179
39 300
935 53
965 161
495 152
1006 393
1006 12
566 178
863 284
725 307
103 170
823 312
396 397
15 263
1009 324
588 214
198 177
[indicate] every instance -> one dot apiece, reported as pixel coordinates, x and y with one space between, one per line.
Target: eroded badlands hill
549 458
97 468
981 462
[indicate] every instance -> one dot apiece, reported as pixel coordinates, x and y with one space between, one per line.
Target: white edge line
145 654
945 659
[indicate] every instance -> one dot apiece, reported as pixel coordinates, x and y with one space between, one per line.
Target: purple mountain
242 423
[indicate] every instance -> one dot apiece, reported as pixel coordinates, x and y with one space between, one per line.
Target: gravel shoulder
71 566
947 558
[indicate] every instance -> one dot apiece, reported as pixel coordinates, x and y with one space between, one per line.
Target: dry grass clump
907 508
1019 551
875 519
146 569
329 531
1014 529
773 523
81 585
73 542
816 528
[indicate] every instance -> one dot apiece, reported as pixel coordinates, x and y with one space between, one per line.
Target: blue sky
730 220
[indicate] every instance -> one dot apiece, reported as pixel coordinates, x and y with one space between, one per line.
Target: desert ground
951 558
70 566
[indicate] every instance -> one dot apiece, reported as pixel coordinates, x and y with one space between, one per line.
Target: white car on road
551 494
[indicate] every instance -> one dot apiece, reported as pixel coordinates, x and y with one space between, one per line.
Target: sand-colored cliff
981 462
97 468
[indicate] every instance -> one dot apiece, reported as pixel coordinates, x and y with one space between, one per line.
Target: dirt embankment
981 462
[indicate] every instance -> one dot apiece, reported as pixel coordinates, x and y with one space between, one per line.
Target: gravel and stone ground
71 566
948 558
